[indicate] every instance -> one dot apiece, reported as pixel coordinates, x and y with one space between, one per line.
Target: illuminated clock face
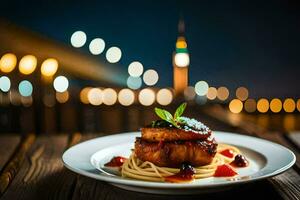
182 59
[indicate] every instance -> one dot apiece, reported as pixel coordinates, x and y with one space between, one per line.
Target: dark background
232 43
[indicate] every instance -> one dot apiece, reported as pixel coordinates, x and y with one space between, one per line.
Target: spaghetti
137 169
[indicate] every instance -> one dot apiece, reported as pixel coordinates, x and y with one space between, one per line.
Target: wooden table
31 168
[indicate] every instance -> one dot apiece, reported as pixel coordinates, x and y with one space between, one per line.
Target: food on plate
178 149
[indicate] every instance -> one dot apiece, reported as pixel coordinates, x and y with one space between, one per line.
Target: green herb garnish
167 116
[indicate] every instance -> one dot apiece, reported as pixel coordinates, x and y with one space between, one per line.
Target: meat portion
172 134
173 154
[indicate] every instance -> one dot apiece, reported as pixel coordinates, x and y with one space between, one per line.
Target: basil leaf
165 115
179 111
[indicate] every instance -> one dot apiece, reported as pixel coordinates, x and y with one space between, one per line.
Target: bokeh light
146 97
27 64
242 93
25 88
95 96
84 95
62 97
97 46
78 39
236 106
109 96
150 77
126 97
223 93
298 105
135 69
189 93
164 97
134 82
289 105
275 105
182 59
60 83
8 62
262 105
4 83
212 93
113 54
201 88
49 67
250 105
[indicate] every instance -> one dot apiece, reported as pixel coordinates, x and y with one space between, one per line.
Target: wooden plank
87 188
291 178
286 184
13 166
252 129
42 175
8 144
294 137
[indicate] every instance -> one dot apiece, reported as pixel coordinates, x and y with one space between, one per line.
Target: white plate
266 159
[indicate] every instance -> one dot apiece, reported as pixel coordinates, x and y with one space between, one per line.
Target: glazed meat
172 134
174 153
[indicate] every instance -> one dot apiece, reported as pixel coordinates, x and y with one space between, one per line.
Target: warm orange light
298 105
164 97
109 96
49 67
95 96
62 97
8 62
289 122
263 105
27 64
289 105
84 95
212 93
236 106
275 105
242 93
126 97
250 105
223 93
181 43
146 97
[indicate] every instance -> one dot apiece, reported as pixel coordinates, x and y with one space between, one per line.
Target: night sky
232 43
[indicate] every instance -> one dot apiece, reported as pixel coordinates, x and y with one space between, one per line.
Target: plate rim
161 185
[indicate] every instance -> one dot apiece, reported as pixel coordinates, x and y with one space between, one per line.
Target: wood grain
286 184
42 175
8 144
14 164
290 179
294 137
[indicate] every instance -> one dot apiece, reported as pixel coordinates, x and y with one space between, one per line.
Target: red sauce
228 153
115 162
240 161
186 174
224 171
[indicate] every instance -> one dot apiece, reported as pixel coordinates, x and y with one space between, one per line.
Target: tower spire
181 26
181 60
